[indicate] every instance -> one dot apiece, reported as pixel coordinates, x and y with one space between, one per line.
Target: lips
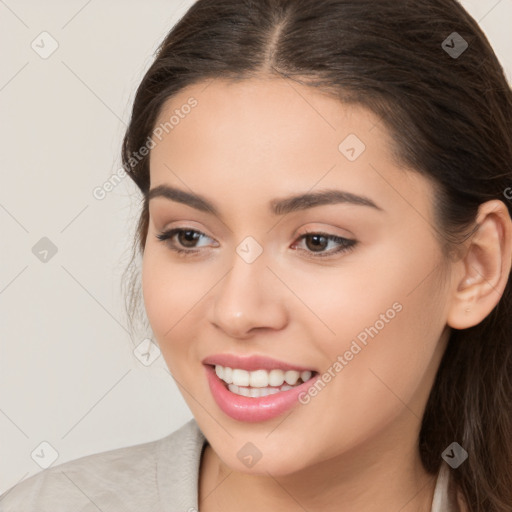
254 408
252 363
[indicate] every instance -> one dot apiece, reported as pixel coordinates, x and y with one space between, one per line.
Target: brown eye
316 242
188 238
184 240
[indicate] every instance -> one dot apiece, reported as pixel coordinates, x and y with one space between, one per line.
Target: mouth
256 393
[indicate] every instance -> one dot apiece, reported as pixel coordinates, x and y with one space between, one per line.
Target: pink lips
249 409
251 363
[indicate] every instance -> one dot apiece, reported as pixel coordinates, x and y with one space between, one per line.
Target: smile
256 388
261 382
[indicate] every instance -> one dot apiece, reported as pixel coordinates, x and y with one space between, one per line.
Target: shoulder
125 478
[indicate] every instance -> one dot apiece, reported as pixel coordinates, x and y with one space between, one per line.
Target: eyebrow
277 206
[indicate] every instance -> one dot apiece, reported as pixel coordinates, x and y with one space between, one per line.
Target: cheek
388 317
366 284
156 300
164 306
390 373
168 294
174 297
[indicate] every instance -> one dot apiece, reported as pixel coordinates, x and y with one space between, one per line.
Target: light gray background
68 374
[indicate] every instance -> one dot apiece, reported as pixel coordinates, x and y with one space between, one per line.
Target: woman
326 249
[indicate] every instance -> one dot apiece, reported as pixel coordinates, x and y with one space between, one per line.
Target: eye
184 242
186 238
316 243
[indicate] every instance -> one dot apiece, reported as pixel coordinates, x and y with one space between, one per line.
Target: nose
248 300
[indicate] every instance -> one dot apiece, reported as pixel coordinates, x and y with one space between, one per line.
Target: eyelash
346 244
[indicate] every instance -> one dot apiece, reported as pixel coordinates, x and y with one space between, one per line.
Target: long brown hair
450 118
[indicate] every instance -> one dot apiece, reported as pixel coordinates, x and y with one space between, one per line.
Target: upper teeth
260 378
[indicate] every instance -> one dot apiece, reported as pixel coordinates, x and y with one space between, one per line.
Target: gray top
158 476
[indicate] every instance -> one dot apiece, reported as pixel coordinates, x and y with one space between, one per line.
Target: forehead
265 106
266 138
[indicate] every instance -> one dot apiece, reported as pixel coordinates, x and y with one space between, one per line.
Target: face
349 286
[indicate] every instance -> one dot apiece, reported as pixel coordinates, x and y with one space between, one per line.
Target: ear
483 272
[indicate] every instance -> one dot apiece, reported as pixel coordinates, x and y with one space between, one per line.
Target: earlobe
485 267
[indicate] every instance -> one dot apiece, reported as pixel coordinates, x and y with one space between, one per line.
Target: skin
356 442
